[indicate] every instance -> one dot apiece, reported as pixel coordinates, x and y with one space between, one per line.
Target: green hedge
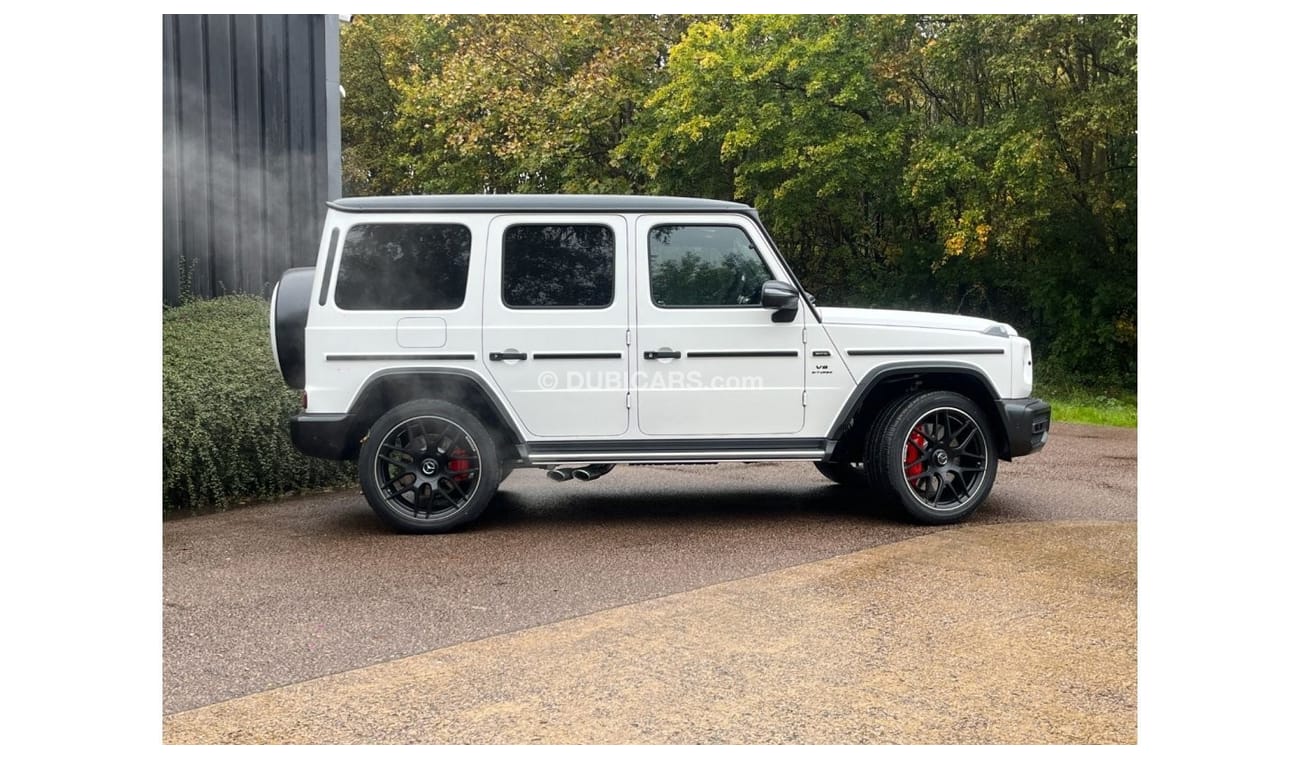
226 410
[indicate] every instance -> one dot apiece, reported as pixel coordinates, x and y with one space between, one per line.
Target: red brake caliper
912 466
459 462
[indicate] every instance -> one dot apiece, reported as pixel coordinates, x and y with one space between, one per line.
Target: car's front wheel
935 456
428 467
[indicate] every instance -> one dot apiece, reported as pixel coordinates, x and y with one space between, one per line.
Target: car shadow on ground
684 508
677 505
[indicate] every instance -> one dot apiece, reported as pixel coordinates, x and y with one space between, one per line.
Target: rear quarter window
403 267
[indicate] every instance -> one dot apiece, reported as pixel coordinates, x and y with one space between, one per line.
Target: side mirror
783 298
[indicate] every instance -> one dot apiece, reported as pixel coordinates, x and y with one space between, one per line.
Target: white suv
444 340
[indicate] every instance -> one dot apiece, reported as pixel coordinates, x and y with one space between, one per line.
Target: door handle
505 356
663 354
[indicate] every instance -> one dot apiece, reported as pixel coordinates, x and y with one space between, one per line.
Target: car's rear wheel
934 454
429 467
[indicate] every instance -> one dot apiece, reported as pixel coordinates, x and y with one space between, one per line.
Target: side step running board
712 450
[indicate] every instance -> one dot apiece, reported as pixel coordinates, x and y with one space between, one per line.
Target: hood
894 318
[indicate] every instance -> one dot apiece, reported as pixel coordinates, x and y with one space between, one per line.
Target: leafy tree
507 103
978 163
784 112
983 164
381 58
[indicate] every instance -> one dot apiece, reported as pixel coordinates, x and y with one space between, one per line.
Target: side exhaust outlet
559 474
592 471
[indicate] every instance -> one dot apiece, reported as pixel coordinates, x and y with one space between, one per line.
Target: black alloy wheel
944 459
429 466
933 455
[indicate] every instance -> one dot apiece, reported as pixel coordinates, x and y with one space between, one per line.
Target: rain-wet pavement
263 597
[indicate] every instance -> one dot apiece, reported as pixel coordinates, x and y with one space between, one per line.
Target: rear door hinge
805 398
627 338
627 400
805 335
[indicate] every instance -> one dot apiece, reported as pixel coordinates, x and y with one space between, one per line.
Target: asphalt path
262 597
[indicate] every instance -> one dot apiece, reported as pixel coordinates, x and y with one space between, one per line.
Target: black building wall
250 148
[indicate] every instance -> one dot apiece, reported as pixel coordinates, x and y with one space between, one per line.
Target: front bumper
327 436
1026 421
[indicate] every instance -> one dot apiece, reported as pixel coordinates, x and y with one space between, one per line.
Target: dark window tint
557 265
704 266
403 267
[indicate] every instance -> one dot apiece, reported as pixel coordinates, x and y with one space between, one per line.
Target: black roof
539 204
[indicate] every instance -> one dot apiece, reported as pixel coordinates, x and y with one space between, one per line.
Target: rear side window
557 266
704 266
403 267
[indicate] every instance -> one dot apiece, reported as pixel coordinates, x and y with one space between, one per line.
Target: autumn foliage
981 164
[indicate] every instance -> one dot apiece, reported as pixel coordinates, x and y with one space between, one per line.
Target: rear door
556 320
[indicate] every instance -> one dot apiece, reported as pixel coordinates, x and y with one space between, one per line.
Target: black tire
843 473
429 467
878 484
855 471
933 455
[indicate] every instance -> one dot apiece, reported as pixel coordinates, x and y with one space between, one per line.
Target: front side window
403 267
705 266
557 266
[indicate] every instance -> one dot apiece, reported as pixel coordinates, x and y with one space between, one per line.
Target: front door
556 321
710 360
